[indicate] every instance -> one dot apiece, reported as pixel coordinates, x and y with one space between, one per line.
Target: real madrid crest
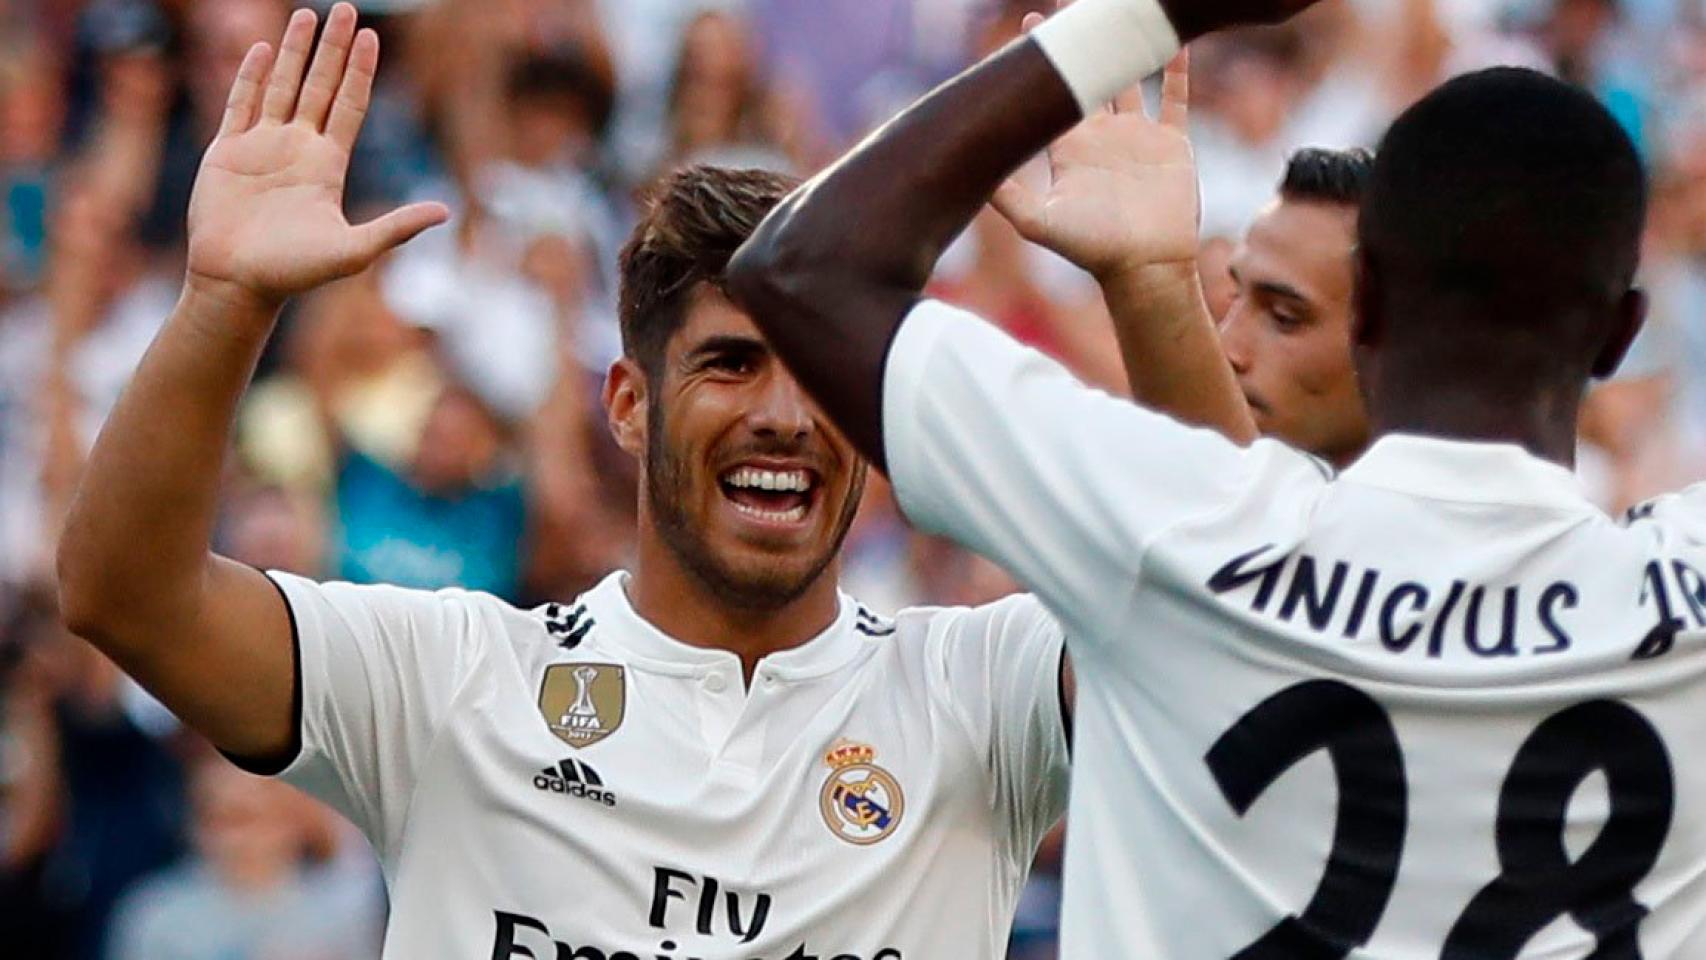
861 801
583 702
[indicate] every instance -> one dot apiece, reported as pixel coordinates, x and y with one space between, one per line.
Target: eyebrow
725 344
1271 288
1281 290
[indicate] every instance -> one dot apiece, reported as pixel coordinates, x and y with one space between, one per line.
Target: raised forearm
136 542
830 275
1172 353
832 272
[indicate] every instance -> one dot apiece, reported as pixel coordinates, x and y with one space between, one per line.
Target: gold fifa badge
583 702
861 801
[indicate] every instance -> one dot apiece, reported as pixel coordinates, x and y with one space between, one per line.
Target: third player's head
1498 243
745 484
1287 332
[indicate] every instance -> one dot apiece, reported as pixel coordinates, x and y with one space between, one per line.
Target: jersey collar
1468 472
622 625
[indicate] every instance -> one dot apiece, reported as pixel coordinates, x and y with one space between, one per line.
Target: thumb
377 236
1021 206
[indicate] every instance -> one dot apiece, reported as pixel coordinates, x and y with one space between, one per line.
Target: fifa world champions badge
861 802
583 702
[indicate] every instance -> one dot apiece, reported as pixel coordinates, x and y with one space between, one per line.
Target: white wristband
1101 47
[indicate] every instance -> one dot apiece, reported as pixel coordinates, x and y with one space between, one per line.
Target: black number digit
1538 883
1373 809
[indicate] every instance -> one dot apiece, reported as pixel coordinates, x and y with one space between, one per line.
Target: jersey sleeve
379 669
999 448
1001 665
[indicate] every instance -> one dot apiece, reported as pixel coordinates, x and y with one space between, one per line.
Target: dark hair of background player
697 218
1498 242
1318 175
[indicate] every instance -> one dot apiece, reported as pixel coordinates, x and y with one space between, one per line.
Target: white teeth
795 481
791 515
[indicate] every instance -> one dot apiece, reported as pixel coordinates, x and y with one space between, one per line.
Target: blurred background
435 421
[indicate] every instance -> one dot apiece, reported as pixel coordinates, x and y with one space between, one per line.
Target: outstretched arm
208 636
832 272
1122 204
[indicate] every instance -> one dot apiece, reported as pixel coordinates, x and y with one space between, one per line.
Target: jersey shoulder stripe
871 624
568 625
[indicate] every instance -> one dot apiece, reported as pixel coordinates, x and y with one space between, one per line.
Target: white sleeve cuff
1101 47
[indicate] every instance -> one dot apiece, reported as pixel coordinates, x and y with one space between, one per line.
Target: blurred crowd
435 421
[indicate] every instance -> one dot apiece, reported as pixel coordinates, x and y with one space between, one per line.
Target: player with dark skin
1497 246
832 274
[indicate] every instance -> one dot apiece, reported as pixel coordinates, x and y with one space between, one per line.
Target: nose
1235 329
783 409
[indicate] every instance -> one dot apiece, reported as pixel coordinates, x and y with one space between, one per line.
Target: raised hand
1123 187
266 218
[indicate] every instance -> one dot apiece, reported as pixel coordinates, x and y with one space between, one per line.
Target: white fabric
1180 568
421 719
1101 47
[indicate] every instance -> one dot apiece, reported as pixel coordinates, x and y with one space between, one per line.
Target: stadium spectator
249 890
454 514
32 108
121 786
721 110
33 919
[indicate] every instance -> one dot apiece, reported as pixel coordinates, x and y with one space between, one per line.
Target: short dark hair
1319 175
564 76
1509 201
694 222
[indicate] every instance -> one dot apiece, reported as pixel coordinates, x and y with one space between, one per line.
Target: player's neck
1543 425
673 599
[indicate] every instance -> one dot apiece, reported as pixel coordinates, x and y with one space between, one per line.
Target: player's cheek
1321 363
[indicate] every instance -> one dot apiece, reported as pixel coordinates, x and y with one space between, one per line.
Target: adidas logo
576 779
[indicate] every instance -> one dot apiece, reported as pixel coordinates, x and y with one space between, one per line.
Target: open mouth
770 495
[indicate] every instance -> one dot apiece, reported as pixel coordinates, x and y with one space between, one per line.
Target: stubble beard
759 587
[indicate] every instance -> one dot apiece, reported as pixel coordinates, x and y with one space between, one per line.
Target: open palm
267 213
1123 186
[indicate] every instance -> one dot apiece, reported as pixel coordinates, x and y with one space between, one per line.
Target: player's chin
773 548
769 578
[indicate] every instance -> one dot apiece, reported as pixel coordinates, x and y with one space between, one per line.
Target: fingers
1030 22
327 71
376 237
1020 205
245 99
349 107
287 72
1176 91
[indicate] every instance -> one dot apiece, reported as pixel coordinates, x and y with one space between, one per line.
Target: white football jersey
568 783
1437 708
